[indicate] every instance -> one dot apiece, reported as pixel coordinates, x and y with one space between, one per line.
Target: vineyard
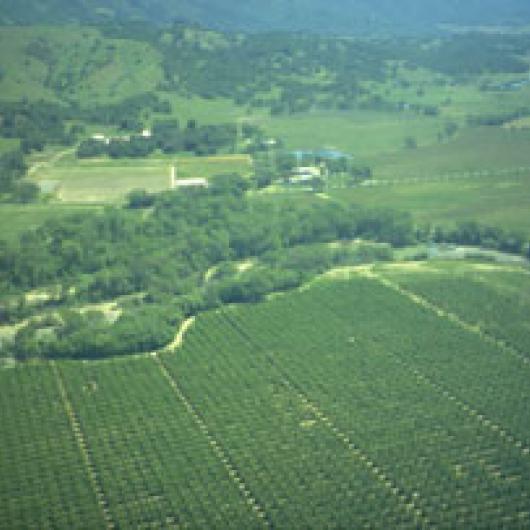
383 398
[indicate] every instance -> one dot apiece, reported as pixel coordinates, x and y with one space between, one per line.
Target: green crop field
374 398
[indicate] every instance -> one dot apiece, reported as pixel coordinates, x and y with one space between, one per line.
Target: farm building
304 174
190 183
322 154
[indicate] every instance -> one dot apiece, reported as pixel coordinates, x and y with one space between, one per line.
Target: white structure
146 133
309 171
175 182
191 183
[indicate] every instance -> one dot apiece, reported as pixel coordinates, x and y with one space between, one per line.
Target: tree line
168 137
161 260
157 266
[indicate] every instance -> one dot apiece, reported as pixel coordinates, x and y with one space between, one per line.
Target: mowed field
103 180
376 398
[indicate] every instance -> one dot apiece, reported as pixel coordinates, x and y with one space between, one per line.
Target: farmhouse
98 137
197 182
304 174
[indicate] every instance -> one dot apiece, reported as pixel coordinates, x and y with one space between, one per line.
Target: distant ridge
323 16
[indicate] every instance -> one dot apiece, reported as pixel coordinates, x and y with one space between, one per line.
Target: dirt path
215 446
83 447
179 337
448 315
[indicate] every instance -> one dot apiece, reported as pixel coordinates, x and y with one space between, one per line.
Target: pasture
502 202
488 149
331 406
360 133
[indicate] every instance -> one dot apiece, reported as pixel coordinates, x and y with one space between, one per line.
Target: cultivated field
376 398
102 180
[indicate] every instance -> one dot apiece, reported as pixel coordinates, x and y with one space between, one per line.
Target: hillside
332 16
68 63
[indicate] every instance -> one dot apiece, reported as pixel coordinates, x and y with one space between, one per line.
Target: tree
25 192
411 142
140 198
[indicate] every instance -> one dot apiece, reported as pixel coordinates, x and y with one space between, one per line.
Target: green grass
205 111
360 133
15 219
8 144
103 184
481 148
455 101
104 180
500 202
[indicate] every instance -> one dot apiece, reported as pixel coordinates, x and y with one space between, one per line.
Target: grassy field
500 202
474 149
359 133
455 101
100 184
349 404
8 144
102 180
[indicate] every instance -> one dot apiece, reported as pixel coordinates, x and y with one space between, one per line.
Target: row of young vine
337 343
500 311
303 475
346 405
43 481
476 371
155 467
